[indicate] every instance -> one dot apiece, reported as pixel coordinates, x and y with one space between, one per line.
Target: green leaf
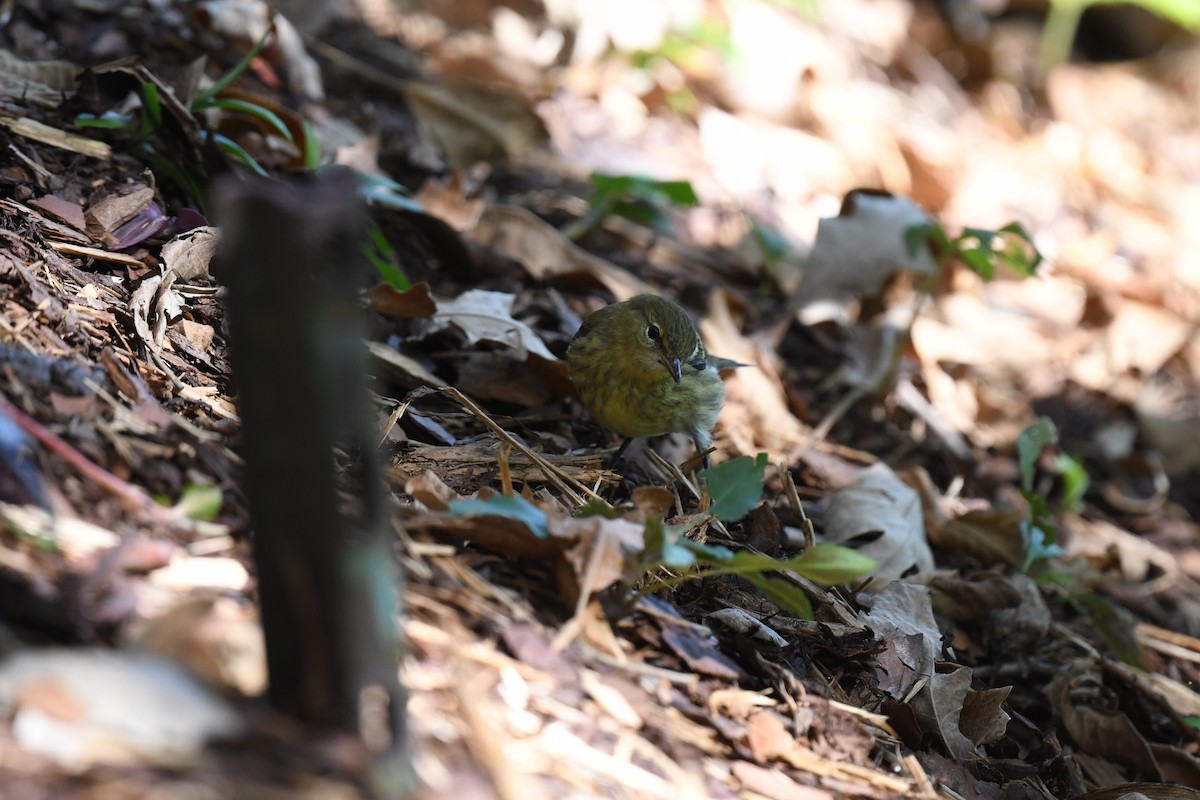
268 117
205 98
980 262
789 597
151 103
597 508
1018 251
735 486
231 148
312 148
200 502
666 546
1075 481
829 564
1030 444
921 234
388 192
825 563
504 505
1039 544
640 187
381 253
109 120
1184 13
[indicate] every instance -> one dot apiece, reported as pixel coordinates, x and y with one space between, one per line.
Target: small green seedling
643 200
1039 534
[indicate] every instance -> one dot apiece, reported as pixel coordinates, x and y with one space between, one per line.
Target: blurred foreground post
327 576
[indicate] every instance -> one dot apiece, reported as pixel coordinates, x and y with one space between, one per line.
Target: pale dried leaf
857 253
485 316
880 516
189 253
124 708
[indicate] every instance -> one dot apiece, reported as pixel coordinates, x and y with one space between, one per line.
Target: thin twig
810 536
391 423
565 483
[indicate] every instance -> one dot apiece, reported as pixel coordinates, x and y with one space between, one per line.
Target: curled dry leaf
189 254
880 516
153 305
1108 547
487 316
1090 714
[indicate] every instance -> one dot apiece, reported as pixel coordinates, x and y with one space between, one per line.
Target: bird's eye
653 333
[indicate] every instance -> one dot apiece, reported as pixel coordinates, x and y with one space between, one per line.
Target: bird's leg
616 457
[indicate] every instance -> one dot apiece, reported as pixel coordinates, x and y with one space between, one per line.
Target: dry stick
678 475
393 420
506 484
560 479
132 495
810 536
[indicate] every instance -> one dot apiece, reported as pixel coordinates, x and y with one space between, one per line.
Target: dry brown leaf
983 721
991 536
1089 712
45 83
447 202
768 736
545 253
856 253
939 707
774 784
881 517
902 616
472 122
1140 338
962 598
485 316
153 305
414 302
408 371
216 638
755 399
190 253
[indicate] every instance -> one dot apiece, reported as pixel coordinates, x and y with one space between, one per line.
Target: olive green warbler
641 369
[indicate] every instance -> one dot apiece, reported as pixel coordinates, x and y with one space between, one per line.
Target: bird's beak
676 368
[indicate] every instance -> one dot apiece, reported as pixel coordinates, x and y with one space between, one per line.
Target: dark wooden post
327 575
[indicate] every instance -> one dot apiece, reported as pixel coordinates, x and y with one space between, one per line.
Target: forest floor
1031 627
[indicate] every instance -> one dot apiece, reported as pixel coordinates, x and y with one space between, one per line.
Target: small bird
640 368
